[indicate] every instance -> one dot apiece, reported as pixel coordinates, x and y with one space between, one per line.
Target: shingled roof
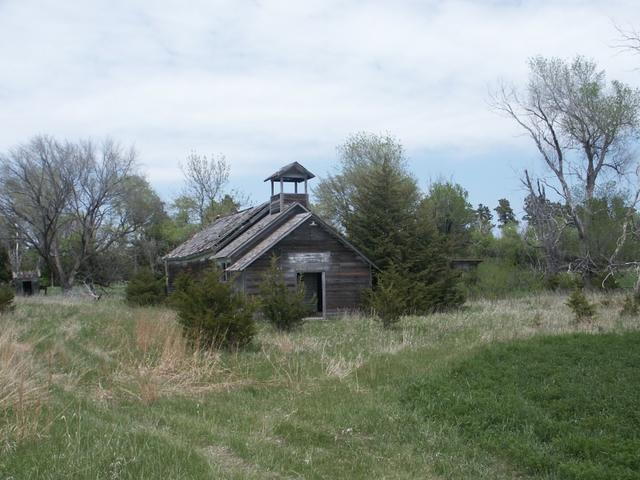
212 237
260 249
255 231
294 172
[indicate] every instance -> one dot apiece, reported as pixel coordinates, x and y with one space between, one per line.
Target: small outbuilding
26 283
335 274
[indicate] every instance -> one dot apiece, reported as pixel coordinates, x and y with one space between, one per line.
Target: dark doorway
313 293
27 288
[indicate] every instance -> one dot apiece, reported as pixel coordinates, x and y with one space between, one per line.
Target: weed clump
6 298
212 312
282 307
580 306
145 289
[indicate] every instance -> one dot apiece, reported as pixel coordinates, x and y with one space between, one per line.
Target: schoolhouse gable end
334 272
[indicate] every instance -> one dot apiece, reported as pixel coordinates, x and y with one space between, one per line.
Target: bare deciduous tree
582 126
36 183
68 200
205 179
629 39
547 223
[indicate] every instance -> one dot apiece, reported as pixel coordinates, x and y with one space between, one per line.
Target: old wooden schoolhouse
310 251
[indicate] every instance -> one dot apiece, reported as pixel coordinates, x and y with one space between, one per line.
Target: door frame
323 285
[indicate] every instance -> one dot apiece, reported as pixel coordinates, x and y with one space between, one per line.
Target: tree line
83 213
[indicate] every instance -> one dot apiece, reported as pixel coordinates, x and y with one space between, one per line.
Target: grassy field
508 389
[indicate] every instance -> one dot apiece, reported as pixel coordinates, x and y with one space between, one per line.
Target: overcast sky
269 82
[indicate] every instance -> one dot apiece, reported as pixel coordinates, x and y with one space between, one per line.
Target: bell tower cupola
292 173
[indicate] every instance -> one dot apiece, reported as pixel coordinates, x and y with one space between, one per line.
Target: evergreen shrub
390 299
6 298
5 270
580 306
562 281
212 312
284 308
145 289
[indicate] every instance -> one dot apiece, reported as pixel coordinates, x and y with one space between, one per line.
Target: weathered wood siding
313 249
286 199
193 268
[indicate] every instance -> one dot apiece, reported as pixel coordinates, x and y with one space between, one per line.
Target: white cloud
266 82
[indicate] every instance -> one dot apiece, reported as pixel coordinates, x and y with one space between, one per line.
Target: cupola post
292 173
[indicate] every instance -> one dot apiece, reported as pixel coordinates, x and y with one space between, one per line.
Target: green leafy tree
283 307
447 204
212 311
147 243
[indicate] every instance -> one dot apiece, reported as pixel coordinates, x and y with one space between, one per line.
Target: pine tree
383 215
483 219
212 311
145 288
505 213
435 285
375 201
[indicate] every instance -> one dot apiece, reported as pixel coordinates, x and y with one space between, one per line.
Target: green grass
554 407
114 392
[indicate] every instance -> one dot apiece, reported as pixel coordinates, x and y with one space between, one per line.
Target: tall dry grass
163 362
23 391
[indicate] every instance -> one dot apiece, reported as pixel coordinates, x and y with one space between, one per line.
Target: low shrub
389 300
6 298
283 307
604 280
580 306
562 281
212 312
144 289
497 279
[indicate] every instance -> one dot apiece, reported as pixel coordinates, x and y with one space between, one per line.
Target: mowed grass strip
552 407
